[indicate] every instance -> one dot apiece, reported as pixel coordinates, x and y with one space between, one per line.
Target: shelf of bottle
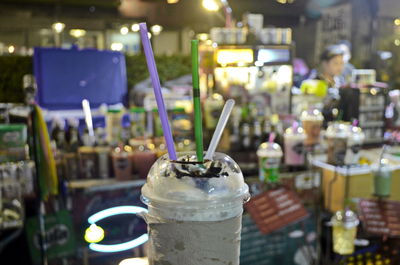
370 124
371 108
373 140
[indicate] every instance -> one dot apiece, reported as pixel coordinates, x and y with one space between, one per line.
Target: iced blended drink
344 230
103 157
142 157
312 123
294 146
113 126
269 159
194 210
142 160
382 180
88 162
354 145
336 136
122 164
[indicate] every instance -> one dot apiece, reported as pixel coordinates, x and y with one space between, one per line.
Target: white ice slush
194 210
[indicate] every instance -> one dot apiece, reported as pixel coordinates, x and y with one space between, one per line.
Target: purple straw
151 64
295 126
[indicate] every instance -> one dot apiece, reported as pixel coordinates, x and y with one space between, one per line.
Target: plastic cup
336 136
138 121
142 161
122 164
294 146
194 210
103 158
312 123
113 126
143 156
88 162
71 166
269 160
382 181
354 145
212 110
344 230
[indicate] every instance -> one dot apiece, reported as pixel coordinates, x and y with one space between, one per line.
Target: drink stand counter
341 182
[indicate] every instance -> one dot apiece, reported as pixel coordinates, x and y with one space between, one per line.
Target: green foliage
169 67
97 3
12 69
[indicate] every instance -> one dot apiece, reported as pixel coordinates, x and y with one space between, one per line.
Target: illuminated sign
95 233
234 56
273 55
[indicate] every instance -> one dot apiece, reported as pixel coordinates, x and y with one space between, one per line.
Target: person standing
329 71
325 81
345 46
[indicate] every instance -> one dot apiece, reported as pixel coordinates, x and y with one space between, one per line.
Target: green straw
198 130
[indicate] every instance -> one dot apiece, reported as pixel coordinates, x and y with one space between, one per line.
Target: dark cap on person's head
330 52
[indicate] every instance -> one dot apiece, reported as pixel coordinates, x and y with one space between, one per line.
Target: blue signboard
66 76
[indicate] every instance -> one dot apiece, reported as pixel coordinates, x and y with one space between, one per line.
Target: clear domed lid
356 133
312 115
295 130
185 180
347 218
270 149
338 129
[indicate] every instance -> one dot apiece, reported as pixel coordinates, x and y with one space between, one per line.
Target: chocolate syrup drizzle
208 169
